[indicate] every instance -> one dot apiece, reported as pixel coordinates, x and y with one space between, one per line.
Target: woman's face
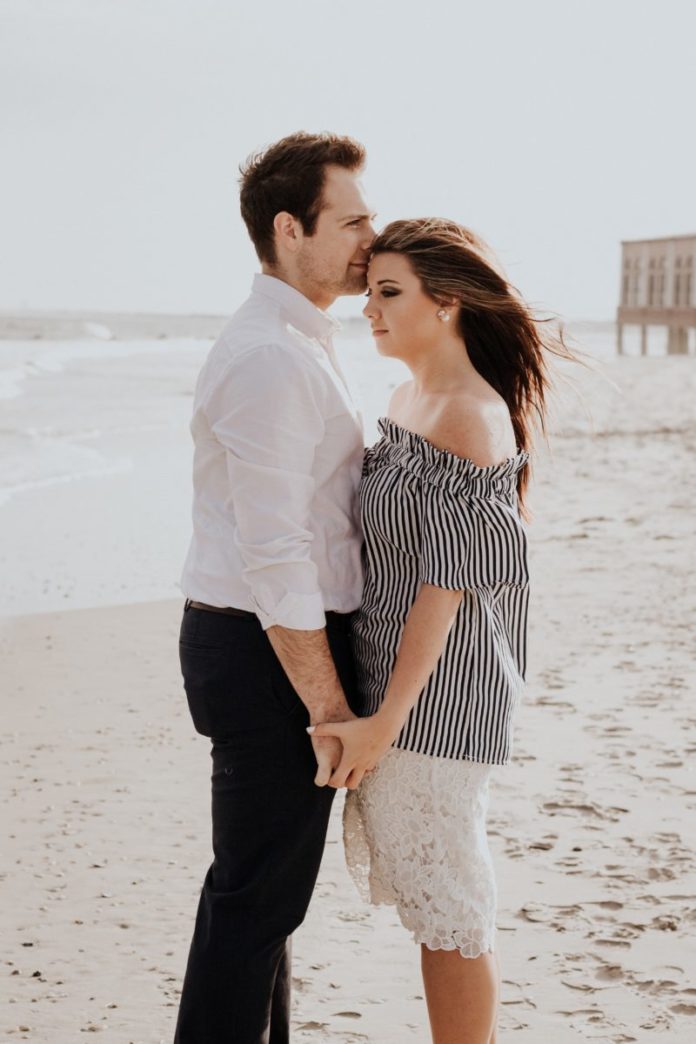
403 317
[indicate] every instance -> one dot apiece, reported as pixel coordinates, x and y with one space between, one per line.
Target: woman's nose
369 311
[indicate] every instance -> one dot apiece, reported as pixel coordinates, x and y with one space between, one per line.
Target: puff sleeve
471 541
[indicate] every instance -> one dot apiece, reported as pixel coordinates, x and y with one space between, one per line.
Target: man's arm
306 659
267 413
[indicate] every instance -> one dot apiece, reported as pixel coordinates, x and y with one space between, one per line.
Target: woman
440 638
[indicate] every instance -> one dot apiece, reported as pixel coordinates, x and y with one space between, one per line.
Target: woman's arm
474 428
423 639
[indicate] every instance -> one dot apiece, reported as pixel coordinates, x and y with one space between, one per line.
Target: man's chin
355 284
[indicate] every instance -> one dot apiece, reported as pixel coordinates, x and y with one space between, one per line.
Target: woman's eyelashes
384 293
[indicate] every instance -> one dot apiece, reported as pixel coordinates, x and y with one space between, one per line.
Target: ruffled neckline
443 468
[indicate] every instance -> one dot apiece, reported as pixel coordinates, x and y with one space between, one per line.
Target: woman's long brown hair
507 344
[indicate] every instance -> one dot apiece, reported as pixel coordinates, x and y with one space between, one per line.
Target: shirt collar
298 309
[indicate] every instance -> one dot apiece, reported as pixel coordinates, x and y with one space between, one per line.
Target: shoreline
94 324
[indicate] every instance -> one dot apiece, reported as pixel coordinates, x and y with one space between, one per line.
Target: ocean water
95 462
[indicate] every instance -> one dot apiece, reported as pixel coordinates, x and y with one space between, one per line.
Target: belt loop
187 605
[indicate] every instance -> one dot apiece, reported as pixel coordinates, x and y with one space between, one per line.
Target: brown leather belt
190 604
330 614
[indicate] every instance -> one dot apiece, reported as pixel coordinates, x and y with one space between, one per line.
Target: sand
104 784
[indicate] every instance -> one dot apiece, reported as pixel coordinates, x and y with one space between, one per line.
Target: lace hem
415 838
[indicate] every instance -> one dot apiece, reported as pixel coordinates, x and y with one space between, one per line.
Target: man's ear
288 231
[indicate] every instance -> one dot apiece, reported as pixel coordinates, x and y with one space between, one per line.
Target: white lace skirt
415 837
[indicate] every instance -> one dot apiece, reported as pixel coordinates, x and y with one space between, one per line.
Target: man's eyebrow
354 217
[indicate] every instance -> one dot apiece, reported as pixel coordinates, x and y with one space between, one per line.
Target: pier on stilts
658 278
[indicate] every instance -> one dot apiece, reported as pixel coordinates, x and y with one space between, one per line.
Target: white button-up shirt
277 464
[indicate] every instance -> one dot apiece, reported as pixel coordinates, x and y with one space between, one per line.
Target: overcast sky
555 128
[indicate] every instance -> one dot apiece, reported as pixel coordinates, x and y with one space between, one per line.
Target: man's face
333 261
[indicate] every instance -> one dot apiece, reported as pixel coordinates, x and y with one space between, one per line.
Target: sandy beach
105 785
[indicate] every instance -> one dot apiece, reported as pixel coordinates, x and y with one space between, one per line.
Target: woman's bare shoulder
476 427
399 397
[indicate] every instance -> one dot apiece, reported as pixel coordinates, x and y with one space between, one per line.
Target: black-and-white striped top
431 517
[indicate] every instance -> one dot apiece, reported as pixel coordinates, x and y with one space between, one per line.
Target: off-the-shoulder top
432 517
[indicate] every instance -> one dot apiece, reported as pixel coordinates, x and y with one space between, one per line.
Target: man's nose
369 237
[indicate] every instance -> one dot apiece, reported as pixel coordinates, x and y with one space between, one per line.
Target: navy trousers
269 827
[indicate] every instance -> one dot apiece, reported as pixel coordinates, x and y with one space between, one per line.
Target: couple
355 618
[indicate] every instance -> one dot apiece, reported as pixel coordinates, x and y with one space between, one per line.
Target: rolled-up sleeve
267 412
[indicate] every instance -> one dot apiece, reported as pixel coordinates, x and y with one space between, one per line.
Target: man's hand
327 749
364 741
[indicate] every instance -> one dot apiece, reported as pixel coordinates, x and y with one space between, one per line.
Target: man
271 579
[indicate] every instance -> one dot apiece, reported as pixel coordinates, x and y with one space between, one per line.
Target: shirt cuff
298 612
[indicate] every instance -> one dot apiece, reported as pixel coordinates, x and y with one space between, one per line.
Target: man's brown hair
289 176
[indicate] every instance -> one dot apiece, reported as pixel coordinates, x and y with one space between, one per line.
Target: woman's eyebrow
380 281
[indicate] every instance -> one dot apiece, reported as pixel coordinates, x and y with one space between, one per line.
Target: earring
444 315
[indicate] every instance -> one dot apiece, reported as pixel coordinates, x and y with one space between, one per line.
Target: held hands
327 749
364 742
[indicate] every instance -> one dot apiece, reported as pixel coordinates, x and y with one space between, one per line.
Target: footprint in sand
544 844
587 808
618 944
514 995
655 987
610 973
550 701
560 918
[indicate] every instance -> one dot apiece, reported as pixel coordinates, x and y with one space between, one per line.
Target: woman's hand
364 740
